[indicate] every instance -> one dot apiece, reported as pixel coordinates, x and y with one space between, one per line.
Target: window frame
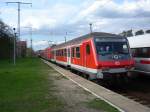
73 52
88 49
78 54
139 52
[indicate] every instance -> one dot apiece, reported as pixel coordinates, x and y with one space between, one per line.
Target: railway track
138 89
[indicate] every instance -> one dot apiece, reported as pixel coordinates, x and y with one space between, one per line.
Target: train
99 55
140 47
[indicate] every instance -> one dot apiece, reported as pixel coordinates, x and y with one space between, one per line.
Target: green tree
140 32
6 41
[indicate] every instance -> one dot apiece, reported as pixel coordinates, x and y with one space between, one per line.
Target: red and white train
99 55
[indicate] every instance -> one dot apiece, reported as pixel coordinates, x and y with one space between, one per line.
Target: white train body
140 46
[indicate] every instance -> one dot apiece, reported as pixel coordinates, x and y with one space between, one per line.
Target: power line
66 37
19 6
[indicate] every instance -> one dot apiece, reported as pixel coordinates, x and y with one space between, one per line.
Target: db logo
117 63
116 57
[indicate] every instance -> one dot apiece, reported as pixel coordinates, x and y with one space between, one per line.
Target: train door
54 55
68 56
87 51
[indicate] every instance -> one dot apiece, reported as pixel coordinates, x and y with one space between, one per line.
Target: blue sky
51 19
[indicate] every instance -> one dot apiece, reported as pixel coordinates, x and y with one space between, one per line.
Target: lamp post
14 58
90 27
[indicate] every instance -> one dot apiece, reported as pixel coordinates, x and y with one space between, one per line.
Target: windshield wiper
103 54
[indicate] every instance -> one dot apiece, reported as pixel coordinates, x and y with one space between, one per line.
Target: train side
46 53
140 46
99 55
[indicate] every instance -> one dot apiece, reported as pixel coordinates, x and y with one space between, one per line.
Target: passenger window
65 52
62 52
73 52
141 52
87 49
68 52
78 52
59 53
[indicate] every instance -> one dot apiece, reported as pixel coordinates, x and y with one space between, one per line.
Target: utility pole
50 43
31 47
14 59
90 27
19 4
65 37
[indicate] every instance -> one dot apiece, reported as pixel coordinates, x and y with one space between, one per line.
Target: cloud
55 18
40 43
105 16
88 10
125 10
50 17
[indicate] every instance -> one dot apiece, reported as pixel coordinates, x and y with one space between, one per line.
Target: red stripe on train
145 61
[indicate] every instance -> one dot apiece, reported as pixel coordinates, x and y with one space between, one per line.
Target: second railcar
140 46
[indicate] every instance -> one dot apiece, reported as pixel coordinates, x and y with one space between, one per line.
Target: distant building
21 48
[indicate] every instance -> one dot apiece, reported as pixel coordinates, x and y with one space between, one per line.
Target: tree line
129 33
6 41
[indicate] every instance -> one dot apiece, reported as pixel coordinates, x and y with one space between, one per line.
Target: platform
120 102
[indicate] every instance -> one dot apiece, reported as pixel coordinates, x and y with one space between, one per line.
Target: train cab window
87 49
78 52
73 52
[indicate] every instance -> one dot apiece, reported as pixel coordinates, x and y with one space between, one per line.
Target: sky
51 19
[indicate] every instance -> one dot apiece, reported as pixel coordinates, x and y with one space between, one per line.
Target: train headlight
129 67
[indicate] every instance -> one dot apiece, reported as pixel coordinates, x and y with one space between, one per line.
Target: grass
26 87
101 105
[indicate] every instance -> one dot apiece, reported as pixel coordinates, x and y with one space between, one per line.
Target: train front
114 57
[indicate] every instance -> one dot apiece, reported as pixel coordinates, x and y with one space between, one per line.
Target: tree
6 41
147 31
123 33
140 32
129 33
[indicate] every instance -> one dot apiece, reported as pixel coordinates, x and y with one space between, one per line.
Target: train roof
139 41
78 40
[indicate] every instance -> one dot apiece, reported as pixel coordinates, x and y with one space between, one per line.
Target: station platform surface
120 102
